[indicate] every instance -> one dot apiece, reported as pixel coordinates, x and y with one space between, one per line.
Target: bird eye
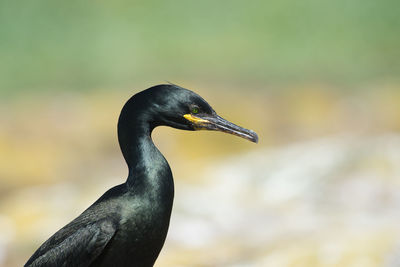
195 110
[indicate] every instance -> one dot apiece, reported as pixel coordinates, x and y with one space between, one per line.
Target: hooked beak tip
254 137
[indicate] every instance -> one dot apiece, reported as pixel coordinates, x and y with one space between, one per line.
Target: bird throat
147 166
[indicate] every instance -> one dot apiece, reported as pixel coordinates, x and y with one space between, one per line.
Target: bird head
180 108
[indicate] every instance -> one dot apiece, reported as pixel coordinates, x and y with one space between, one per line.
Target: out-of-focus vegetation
317 80
113 44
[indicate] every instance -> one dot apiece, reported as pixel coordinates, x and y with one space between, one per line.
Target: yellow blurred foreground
322 188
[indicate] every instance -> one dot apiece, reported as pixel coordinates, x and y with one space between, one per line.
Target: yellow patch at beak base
194 120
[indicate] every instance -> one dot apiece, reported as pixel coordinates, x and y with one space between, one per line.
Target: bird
128 224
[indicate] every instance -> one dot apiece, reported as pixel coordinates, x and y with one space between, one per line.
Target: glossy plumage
127 226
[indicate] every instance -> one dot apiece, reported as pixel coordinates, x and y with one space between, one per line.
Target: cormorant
127 225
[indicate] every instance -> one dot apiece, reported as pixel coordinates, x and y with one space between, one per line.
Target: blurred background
317 80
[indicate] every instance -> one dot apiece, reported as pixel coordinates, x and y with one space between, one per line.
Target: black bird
127 226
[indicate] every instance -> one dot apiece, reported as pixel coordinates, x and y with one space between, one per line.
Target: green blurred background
318 80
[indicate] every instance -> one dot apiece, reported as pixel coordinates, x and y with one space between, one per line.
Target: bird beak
216 123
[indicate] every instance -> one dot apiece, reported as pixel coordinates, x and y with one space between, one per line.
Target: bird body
127 226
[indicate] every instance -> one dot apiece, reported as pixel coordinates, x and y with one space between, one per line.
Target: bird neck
147 166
